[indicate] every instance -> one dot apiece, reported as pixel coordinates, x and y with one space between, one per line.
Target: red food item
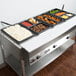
26 24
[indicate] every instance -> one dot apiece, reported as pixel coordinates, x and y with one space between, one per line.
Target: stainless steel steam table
34 54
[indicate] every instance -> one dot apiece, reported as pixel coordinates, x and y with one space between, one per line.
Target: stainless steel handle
2 22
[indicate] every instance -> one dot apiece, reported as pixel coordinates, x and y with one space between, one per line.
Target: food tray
51 25
34 21
68 16
48 27
27 22
16 41
41 22
53 10
28 28
65 14
61 15
52 15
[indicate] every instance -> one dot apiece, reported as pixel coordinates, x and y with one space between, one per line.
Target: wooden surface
65 65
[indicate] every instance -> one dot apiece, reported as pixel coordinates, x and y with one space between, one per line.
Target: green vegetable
54 11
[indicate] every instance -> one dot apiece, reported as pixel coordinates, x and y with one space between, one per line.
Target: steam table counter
32 44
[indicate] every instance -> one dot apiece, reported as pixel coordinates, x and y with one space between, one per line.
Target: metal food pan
16 41
61 19
60 10
53 10
42 30
51 25
29 22
61 15
65 14
33 23
26 21
29 28
68 16
47 17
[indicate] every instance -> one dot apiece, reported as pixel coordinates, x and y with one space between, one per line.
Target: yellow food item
64 16
32 20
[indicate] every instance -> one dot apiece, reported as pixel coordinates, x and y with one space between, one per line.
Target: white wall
13 11
70 5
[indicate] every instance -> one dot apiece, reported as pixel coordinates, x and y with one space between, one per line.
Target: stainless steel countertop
50 34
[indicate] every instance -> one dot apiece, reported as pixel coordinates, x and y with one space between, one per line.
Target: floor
65 65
